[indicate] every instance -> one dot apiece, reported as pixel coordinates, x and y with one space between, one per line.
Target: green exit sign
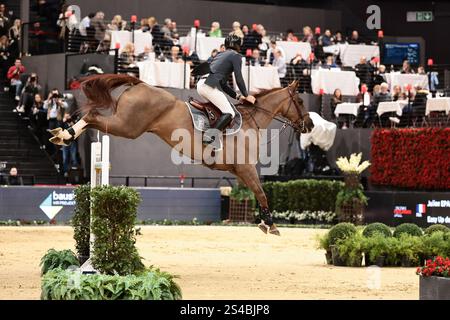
419 16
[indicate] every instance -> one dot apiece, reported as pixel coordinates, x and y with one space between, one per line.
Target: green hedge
114 211
81 219
59 284
303 195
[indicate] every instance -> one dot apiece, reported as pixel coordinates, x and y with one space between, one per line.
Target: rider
213 85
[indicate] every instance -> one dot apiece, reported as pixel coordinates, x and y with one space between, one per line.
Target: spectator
55 107
98 23
222 48
251 39
290 36
144 27
273 47
329 63
215 30
67 21
105 44
127 56
264 40
335 100
167 31
396 92
175 55
419 104
421 70
406 67
174 31
4 55
327 39
158 36
14 74
14 38
4 21
85 25
338 39
354 38
382 96
256 59
213 54
380 77
31 88
366 110
69 153
237 29
14 179
117 24
38 119
301 71
279 63
146 55
364 71
308 36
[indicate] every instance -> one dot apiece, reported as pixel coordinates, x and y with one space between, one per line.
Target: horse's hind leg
249 176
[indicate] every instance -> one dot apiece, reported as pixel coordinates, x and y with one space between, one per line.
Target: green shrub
302 195
54 259
437 227
114 211
410 247
435 244
378 245
351 249
61 284
408 228
341 231
81 219
377 227
323 241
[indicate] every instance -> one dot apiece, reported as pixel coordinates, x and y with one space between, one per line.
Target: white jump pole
99 177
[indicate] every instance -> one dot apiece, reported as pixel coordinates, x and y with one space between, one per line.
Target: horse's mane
262 93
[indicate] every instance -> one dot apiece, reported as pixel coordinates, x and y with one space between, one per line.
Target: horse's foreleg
66 136
249 176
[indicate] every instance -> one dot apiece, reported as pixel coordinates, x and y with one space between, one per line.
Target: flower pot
379 261
406 262
329 257
355 263
434 288
337 259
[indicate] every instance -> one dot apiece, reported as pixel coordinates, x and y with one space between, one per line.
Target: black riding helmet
234 42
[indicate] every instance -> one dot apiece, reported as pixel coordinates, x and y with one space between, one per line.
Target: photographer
69 153
55 106
32 88
38 119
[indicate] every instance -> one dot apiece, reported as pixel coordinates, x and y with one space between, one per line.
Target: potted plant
350 201
324 243
409 248
351 250
434 283
379 230
340 231
434 244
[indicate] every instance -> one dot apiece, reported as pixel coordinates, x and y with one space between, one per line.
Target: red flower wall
411 158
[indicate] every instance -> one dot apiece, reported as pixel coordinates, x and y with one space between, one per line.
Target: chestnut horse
142 108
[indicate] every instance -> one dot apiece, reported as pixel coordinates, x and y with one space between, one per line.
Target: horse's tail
97 89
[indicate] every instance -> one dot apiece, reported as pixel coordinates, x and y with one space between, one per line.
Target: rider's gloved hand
248 98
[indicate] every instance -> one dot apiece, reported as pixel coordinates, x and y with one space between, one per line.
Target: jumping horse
142 108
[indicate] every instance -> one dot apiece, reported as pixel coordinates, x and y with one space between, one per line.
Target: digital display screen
395 53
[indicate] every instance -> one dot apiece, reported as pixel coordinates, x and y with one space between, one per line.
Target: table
330 80
141 39
347 108
400 79
205 45
351 53
391 106
261 78
438 104
164 74
291 48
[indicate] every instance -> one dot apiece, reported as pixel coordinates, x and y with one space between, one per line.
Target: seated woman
335 100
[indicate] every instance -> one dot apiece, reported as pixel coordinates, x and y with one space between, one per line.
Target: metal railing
181 179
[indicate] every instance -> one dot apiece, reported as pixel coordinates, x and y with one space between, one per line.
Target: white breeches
215 96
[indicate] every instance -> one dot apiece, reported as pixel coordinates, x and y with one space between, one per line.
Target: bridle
298 126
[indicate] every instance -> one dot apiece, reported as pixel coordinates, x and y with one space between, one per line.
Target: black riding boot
221 124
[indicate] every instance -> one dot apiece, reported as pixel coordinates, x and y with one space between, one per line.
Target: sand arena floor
215 262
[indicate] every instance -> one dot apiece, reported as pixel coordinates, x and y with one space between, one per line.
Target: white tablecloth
261 78
347 108
352 53
329 80
141 39
391 106
291 48
164 74
438 104
402 80
205 45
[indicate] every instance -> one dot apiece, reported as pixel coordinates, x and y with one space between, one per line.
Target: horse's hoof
273 230
263 227
56 132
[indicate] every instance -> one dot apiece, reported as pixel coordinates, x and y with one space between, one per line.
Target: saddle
210 110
